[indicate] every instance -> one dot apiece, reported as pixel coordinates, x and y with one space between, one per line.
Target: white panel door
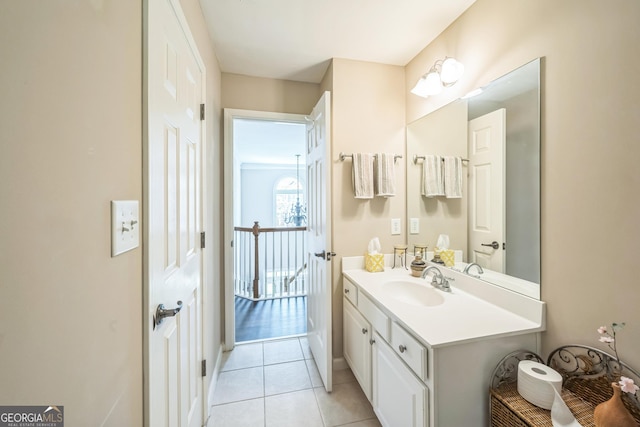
319 237
173 189
487 137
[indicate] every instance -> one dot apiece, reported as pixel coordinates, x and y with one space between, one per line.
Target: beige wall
71 132
368 115
590 183
260 94
71 141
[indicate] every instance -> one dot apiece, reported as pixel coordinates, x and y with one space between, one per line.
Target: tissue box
448 256
374 262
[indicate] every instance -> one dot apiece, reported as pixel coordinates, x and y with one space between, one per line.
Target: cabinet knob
364 330
372 341
402 348
346 291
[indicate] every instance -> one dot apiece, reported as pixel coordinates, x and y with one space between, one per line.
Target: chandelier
297 213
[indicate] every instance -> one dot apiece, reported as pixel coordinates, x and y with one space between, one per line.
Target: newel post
256 273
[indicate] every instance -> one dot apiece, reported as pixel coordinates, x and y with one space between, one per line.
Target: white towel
453 177
384 175
432 184
363 175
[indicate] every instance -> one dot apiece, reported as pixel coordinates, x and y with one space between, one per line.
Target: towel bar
343 156
416 158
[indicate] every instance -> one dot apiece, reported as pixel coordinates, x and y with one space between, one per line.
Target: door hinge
204 367
202 240
201 111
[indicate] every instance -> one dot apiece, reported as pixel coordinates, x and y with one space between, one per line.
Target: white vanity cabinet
399 398
357 345
426 367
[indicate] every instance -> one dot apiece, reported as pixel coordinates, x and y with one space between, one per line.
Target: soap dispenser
418 266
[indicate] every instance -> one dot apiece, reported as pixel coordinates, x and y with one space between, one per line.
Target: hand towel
432 184
384 175
362 175
452 177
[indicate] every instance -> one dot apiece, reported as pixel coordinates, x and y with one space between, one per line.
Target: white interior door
319 238
487 137
173 212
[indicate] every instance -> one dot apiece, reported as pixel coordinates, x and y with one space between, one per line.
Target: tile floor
276 383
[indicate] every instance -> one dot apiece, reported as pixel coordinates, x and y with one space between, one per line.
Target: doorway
265 161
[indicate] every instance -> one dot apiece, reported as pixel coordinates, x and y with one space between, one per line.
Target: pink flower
606 339
627 385
602 330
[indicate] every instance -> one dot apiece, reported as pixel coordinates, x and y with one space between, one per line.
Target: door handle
494 244
325 255
162 312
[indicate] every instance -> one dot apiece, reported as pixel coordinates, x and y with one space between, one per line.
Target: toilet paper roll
537 383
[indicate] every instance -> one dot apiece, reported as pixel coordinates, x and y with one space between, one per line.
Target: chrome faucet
473 264
444 281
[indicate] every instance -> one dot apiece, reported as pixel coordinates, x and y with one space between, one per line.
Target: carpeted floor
274 318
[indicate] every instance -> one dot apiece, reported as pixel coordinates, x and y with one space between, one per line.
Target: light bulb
433 85
452 70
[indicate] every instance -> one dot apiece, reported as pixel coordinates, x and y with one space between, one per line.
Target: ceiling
296 39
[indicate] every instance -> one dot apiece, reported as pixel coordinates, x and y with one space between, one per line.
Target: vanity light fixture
444 73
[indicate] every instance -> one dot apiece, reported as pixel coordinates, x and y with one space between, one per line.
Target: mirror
497 134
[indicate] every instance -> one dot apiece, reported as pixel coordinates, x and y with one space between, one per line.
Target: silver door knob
494 244
162 312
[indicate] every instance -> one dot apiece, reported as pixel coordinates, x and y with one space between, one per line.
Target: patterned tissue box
448 256
374 262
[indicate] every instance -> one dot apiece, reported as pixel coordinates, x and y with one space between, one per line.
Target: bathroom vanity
424 356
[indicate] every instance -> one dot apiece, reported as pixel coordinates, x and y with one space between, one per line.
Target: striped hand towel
432 184
453 177
362 175
384 175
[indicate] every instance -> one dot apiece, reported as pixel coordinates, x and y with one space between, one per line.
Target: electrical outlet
125 226
414 225
395 226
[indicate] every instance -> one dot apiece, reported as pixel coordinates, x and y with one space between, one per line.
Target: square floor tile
242 384
293 410
282 351
248 413
243 356
343 376
345 404
306 350
316 379
286 377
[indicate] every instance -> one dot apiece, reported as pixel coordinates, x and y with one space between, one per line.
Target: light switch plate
125 226
395 226
414 225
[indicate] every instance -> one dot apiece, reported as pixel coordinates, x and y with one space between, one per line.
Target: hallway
276 383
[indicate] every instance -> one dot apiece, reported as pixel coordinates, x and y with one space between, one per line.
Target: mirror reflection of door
487 138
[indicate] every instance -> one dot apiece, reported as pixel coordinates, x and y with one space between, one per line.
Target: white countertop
473 309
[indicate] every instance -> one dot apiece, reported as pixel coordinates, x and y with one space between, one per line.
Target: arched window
288 200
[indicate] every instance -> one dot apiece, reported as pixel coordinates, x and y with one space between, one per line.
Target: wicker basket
587 383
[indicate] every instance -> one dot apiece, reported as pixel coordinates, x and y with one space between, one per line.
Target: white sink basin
414 293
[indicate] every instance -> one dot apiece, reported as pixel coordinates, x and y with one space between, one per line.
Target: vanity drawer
350 291
410 350
375 316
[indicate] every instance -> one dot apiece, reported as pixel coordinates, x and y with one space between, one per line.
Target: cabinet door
399 398
357 349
